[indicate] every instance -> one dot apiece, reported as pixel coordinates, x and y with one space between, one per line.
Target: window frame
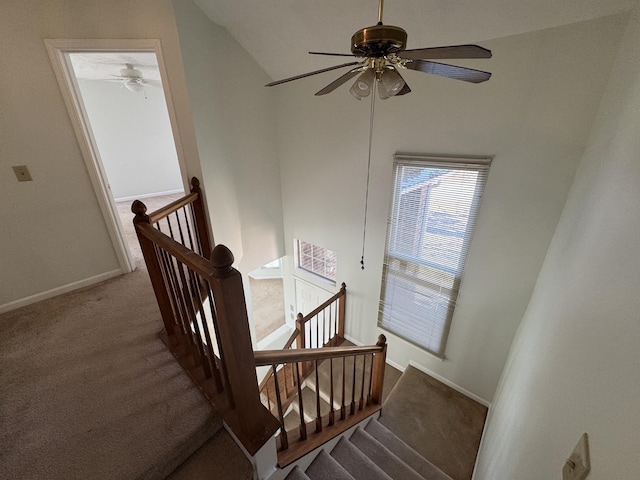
297 243
397 279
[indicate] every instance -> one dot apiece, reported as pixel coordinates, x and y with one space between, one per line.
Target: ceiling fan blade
449 71
155 83
339 81
278 82
333 54
453 51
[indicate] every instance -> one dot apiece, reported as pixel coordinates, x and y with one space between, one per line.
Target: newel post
201 219
154 268
342 306
235 342
379 361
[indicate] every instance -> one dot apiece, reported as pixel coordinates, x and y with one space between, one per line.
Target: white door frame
58 53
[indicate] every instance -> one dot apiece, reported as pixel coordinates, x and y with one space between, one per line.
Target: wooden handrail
172 207
305 318
289 342
274 357
197 263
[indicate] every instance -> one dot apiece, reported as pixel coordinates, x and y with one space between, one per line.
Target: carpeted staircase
371 453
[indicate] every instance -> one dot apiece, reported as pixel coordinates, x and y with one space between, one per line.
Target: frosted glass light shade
390 83
363 85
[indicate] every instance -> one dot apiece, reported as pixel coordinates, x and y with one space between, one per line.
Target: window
434 210
317 260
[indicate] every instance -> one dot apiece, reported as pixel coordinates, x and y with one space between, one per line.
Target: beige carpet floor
441 424
88 391
268 305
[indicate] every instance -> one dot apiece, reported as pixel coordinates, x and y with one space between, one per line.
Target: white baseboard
23 302
147 195
449 383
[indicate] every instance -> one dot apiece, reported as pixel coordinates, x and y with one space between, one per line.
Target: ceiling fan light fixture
363 84
133 86
390 83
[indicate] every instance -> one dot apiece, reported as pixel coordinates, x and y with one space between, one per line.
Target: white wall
53 235
134 137
234 116
534 115
575 363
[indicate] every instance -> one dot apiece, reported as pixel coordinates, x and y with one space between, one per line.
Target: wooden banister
271 357
202 303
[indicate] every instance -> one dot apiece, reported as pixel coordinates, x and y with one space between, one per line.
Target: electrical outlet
578 466
22 173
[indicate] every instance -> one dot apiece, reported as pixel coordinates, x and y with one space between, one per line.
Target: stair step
324 375
357 463
292 419
297 474
403 451
324 467
383 457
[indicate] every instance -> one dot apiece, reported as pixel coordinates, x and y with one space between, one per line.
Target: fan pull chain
366 197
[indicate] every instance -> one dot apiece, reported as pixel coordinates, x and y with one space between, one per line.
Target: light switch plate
22 173
578 466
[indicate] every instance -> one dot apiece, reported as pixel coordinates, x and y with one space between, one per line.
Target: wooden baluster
364 371
324 326
303 425
352 408
344 392
370 382
196 293
235 343
378 370
155 272
318 415
332 416
330 325
342 305
284 441
220 362
191 315
202 229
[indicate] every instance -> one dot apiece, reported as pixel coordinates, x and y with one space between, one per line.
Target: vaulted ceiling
278 34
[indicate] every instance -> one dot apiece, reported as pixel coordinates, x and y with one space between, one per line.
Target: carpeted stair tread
324 467
404 452
383 457
357 463
220 458
297 474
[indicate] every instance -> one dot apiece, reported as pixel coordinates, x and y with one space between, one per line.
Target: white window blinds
434 210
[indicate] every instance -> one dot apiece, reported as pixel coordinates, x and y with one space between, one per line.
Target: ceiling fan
133 80
382 53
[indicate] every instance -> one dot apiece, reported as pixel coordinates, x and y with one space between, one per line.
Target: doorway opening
266 285
119 102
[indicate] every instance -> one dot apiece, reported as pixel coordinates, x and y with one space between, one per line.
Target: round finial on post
139 208
382 340
195 184
221 258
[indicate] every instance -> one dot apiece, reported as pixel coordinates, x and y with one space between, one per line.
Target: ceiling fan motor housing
378 41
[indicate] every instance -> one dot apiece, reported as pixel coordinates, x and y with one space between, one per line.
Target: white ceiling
278 34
